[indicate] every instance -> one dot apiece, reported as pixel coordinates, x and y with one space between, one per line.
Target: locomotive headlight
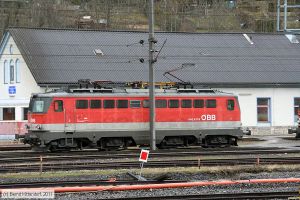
38 126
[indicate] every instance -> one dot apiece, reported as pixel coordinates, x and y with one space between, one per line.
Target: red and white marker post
143 158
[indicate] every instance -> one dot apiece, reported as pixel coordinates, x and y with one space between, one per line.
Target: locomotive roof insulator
84 83
91 90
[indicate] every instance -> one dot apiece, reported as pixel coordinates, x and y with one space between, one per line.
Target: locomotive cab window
109 103
82 104
186 103
58 106
39 104
122 104
173 103
161 103
95 104
198 103
135 103
230 104
211 103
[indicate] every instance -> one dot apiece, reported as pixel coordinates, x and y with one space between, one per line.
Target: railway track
112 164
19 159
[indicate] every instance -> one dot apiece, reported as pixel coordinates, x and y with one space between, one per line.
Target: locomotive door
70 124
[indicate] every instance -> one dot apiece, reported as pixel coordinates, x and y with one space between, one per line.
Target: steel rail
111 164
20 157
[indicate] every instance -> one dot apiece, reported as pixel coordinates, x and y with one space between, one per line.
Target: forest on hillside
170 15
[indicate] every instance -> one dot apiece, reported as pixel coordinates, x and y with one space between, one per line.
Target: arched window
6 72
11 49
12 71
18 71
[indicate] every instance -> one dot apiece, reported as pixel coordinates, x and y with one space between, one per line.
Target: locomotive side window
135 103
161 103
146 104
122 103
58 106
211 103
109 103
186 103
82 104
95 104
230 104
173 103
198 103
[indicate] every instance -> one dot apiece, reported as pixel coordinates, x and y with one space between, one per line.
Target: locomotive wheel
162 145
217 141
53 148
176 141
113 144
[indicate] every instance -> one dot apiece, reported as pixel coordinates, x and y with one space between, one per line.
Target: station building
262 69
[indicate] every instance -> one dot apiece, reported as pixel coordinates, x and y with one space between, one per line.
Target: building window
263 110
296 107
11 49
18 71
6 72
7 114
25 113
12 71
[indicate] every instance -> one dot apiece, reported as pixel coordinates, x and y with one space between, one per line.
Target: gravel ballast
201 176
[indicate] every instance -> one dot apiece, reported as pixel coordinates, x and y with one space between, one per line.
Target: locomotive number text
204 118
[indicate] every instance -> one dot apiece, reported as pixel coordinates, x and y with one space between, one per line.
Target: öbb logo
208 117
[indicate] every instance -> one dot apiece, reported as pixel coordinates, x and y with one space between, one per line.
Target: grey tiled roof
60 56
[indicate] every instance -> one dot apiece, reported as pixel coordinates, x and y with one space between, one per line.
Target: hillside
170 15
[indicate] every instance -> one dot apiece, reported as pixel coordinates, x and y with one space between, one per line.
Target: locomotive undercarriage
54 141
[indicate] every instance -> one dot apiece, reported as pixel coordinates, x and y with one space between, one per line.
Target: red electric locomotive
107 118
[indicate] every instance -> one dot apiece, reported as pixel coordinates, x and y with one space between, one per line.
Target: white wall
282 104
26 86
